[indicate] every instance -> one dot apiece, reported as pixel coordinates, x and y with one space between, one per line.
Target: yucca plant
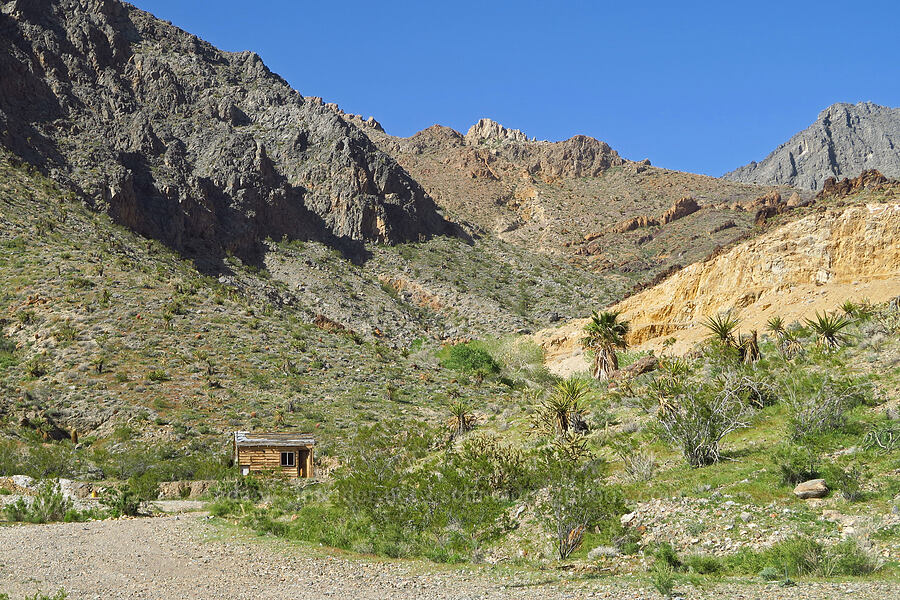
829 329
604 334
563 410
462 419
849 308
722 327
775 326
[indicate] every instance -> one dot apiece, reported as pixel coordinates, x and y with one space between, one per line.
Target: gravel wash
184 557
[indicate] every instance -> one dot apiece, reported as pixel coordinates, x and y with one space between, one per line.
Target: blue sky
695 86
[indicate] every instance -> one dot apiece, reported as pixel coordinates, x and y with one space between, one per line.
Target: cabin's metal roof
247 438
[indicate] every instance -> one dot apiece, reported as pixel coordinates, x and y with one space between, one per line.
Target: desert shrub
639 464
578 500
506 469
9 458
36 366
796 463
796 556
664 553
883 436
703 564
157 375
663 579
59 595
7 352
162 463
469 357
848 558
122 501
48 505
238 488
697 416
41 461
848 479
521 360
819 404
439 510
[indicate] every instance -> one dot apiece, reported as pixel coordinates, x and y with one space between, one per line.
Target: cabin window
287 459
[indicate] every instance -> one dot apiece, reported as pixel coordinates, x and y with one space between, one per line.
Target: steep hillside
205 150
845 140
122 342
814 263
576 199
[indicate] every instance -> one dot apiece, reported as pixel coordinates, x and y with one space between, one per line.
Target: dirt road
186 557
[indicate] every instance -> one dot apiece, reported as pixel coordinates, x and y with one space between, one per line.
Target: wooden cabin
285 454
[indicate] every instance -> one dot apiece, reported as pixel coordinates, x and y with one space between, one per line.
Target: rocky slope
565 198
811 264
206 150
845 140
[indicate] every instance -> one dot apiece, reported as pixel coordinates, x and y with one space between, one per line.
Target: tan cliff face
812 264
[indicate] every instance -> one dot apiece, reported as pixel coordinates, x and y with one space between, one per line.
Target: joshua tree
605 333
829 329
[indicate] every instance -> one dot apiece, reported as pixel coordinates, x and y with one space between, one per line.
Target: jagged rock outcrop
578 156
631 224
812 264
203 149
682 208
487 129
867 180
845 140
679 209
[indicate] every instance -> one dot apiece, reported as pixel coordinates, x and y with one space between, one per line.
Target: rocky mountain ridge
845 140
564 198
205 150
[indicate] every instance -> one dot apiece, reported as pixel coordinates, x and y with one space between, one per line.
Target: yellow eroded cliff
812 264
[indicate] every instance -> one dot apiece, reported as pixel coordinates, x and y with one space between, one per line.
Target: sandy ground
187 556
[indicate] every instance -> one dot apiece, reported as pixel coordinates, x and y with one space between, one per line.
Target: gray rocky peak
845 140
208 151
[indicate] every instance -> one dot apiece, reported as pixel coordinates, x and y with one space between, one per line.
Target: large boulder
814 488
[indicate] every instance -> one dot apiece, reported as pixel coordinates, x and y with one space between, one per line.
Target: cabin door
302 459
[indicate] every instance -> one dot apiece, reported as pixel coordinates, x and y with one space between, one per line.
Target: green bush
7 352
796 463
122 501
47 506
469 357
848 479
849 559
662 577
576 501
157 375
59 595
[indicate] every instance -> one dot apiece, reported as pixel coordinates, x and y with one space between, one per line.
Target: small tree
604 334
